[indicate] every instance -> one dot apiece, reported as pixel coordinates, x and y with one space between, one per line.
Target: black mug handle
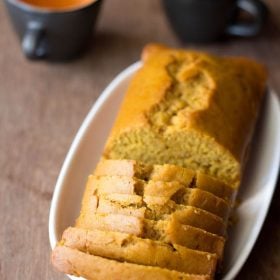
31 44
258 10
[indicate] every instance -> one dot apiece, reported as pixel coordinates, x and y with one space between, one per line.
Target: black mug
207 20
52 33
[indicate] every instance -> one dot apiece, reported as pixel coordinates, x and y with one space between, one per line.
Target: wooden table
43 104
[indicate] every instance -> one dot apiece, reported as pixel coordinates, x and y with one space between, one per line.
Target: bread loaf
189 109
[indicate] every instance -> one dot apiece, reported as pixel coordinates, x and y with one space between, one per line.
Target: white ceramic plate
255 193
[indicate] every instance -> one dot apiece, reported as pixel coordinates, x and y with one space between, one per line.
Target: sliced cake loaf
152 217
148 218
140 222
189 109
164 217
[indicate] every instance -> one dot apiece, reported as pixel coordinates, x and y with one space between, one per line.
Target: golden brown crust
150 50
91 267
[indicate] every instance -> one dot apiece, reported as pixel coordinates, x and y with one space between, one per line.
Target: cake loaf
158 203
189 109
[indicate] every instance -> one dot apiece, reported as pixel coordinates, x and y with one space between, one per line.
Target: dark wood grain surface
43 104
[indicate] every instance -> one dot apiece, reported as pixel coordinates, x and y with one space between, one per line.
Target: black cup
54 34
207 20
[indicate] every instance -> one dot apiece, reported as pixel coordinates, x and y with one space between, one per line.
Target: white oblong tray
255 193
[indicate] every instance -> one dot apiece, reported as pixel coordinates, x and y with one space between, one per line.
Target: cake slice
129 248
191 237
162 189
107 206
214 186
112 222
129 168
115 184
201 219
171 173
75 262
206 201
